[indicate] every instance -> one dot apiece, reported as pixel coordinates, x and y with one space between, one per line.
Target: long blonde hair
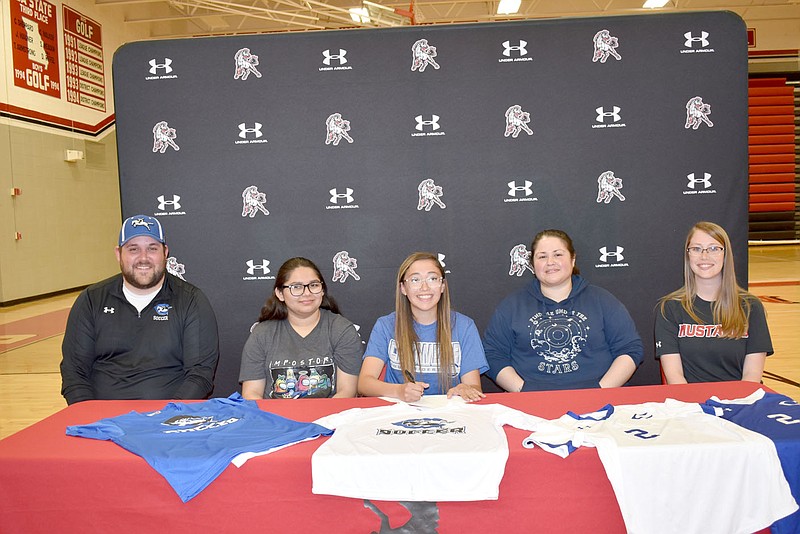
731 309
404 334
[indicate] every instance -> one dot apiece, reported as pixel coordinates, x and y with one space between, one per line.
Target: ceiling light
508 7
359 14
651 4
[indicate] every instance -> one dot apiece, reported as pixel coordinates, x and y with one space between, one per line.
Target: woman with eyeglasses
711 330
300 346
559 331
426 348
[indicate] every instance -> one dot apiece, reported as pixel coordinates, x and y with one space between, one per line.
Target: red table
52 482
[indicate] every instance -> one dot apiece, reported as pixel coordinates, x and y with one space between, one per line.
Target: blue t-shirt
191 444
467 351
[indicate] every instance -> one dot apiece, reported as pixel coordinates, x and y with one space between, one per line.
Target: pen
409 376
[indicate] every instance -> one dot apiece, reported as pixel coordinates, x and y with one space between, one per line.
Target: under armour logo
108 310
691 39
658 344
513 188
614 114
433 123
705 180
347 195
166 66
334 57
441 258
605 254
163 203
252 267
519 48
244 130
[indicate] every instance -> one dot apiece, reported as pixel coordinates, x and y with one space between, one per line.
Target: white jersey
409 453
677 469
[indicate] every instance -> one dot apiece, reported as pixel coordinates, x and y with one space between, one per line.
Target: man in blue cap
143 333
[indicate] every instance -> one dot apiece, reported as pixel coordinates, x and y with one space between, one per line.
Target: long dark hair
274 309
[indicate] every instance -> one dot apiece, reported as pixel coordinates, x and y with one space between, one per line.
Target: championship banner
356 148
83 51
34 43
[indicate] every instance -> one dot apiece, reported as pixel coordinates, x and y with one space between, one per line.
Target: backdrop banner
356 148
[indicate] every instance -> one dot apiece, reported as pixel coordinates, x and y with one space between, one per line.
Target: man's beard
144 280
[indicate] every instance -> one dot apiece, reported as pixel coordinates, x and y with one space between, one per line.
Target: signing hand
412 391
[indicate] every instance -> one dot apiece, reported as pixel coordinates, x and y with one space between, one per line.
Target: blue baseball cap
141 225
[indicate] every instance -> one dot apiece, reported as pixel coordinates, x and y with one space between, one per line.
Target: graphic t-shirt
467 351
296 366
569 344
707 357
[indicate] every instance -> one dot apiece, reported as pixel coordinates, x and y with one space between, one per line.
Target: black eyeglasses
298 289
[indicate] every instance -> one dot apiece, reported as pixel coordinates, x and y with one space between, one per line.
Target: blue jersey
778 418
191 444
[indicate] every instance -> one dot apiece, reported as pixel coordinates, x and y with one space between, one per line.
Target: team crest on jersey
429 194
517 121
423 422
246 63
559 336
423 425
422 54
337 129
605 46
194 423
520 260
162 312
608 187
164 137
697 112
344 266
174 268
253 201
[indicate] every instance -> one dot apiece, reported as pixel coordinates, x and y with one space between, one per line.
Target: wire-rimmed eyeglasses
713 250
416 282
